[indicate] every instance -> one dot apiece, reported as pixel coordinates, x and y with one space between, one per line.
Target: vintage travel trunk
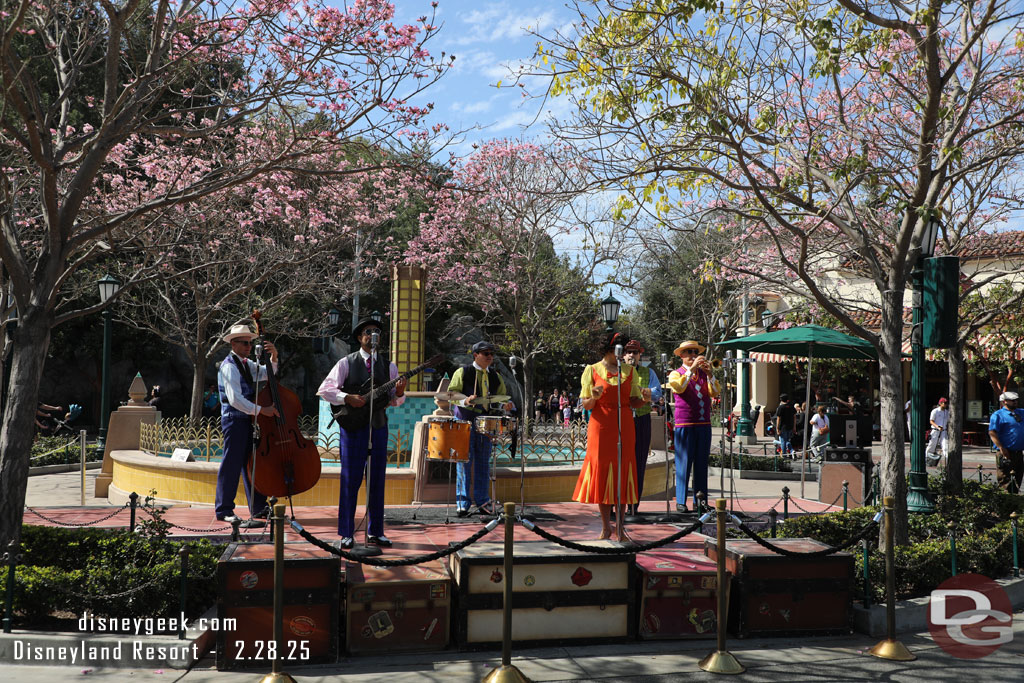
777 595
678 595
559 595
397 609
245 579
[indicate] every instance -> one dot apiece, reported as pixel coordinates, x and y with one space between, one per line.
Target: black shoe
262 514
252 524
382 540
462 512
681 508
345 542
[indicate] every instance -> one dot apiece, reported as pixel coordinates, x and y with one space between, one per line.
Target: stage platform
419 529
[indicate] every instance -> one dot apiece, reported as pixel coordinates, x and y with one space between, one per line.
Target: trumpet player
695 388
641 416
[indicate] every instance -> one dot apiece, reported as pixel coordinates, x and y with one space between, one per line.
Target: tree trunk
528 400
957 405
31 341
890 380
198 386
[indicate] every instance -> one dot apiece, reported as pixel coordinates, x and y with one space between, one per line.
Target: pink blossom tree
492 241
830 133
149 106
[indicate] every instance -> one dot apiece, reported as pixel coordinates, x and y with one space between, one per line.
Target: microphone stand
618 422
637 518
670 411
251 488
368 550
518 435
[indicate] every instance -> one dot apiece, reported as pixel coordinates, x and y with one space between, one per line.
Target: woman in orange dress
604 395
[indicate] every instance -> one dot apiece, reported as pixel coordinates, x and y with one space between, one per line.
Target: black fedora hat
366 322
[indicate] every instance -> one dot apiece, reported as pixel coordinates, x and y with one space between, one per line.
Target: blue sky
487 38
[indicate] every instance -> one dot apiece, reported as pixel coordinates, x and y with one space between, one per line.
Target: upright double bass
284 462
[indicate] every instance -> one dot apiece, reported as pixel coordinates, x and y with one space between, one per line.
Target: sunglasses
691 352
487 353
245 341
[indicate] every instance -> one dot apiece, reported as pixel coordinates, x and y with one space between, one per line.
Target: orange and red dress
598 477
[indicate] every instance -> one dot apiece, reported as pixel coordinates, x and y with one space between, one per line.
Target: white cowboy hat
239 332
689 344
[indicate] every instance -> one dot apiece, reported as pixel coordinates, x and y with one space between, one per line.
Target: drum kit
448 436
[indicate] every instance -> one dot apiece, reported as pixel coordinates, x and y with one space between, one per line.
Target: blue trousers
237 446
476 472
693 448
353 450
642 428
785 440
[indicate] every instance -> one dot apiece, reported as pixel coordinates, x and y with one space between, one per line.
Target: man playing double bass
342 386
236 380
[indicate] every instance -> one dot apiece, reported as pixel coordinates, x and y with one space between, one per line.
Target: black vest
469 387
357 377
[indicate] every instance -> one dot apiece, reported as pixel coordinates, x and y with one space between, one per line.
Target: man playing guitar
342 386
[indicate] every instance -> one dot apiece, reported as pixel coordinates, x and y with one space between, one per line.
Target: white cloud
499 22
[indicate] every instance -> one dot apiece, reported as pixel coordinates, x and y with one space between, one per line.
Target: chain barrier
90 596
77 524
184 528
763 517
405 561
833 504
868 530
631 549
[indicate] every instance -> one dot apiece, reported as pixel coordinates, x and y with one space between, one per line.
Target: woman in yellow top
599 476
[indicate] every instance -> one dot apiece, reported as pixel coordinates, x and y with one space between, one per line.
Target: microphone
374 339
259 351
618 350
664 360
512 362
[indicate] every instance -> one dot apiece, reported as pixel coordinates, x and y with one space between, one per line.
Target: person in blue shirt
642 416
1006 429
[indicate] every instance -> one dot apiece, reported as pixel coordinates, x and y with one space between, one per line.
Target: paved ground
781 659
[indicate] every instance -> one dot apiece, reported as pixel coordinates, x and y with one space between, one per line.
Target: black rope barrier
76 524
631 549
405 561
869 529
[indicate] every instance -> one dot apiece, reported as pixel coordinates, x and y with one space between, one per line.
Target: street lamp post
917 480
108 286
610 311
744 427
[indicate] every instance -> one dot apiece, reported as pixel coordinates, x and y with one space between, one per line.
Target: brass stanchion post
721 660
507 672
276 675
890 648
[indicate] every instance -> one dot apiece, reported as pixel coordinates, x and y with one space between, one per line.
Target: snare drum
448 439
495 425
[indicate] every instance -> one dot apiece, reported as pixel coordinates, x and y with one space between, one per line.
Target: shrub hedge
77 570
60 450
758 463
983 539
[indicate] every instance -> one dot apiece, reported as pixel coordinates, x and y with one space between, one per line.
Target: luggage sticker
379 625
785 614
438 591
529 580
652 624
664 565
763 609
675 581
653 581
363 595
703 621
496 576
249 579
302 626
429 630
581 577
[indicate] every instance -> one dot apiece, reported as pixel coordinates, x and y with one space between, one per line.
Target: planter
812 474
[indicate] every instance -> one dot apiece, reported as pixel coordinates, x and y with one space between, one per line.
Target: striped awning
770 357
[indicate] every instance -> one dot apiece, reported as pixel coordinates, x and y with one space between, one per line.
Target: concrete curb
66 467
766 476
912 615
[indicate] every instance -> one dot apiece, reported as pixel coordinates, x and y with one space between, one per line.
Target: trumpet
716 363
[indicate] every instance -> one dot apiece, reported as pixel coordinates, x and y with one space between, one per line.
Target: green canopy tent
810 342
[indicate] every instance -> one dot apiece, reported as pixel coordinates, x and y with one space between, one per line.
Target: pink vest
693 406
